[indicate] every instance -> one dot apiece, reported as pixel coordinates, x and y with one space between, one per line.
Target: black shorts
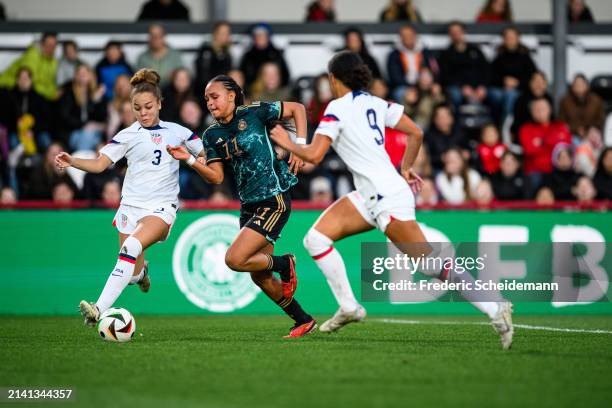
267 217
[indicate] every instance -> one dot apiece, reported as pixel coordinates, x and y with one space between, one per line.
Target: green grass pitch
240 361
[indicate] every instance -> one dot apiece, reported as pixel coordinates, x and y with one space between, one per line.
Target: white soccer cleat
145 283
90 312
342 318
502 323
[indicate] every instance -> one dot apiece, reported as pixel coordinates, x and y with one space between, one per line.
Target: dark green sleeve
212 155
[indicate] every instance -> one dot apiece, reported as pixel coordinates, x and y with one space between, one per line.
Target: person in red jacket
490 150
538 139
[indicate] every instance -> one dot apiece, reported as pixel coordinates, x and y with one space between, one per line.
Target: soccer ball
116 324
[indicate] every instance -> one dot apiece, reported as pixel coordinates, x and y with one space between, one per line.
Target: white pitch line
521 326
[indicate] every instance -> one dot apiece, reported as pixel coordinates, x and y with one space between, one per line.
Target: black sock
294 310
281 265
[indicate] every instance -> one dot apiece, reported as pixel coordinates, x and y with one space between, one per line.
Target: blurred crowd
492 132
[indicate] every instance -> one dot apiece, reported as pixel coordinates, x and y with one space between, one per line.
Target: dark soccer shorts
267 217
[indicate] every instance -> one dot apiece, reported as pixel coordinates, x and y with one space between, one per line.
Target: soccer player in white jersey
353 124
149 199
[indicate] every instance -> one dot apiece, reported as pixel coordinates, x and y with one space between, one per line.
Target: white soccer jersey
152 178
356 125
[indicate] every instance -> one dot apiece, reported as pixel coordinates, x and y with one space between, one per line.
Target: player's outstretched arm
413 144
312 153
212 173
97 165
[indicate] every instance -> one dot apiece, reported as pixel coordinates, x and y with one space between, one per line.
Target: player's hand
280 136
295 163
178 152
414 180
63 160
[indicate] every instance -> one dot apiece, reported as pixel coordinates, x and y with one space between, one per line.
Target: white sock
121 274
137 278
329 260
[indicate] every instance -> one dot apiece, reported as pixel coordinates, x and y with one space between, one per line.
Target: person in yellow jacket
40 59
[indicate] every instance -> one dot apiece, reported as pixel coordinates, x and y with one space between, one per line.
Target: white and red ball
116 324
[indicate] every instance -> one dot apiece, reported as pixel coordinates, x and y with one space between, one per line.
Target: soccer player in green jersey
239 138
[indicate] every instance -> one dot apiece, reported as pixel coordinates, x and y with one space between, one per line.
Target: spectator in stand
539 138
442 135
159 55
63 193
538 88
321 98
422 163
125 118
511 70
401 10
121 95
40 59
603 175
581 108
44 176
8 196
428 195
379 88
321 191
28 115
238 76
587 152
584 190
495 11
490 150
111 66
262 51
67 63
321 11
508 183
419 101
545 197
175 93
457 182
2 13
355 42
267 87
190 116
405 62
563 178
111 193
579 12
213 59
83 110
163 10
484 195
464 71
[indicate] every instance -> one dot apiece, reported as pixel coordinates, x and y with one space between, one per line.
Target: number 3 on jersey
371 114
158 155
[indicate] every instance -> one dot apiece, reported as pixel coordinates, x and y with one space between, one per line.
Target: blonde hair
145 80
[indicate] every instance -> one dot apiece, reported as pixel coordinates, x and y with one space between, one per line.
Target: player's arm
297 111
413 144
97 165
311 153
213 173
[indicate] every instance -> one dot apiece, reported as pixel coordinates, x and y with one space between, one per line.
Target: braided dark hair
232 86
348 67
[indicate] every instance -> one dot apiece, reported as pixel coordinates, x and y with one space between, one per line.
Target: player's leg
409 238
149 230
141 270
340 220
272 287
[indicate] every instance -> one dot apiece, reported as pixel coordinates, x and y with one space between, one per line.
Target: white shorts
399 206
127 217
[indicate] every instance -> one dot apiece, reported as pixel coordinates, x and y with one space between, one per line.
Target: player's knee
316 243
233 261
132 247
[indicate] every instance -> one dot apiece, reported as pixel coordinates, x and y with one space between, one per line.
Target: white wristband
300 140
191 160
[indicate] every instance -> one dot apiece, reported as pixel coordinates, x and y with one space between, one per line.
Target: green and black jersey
243 143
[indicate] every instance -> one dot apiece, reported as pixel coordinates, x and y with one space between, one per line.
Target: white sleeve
330 122
117 147
192 141
393 114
